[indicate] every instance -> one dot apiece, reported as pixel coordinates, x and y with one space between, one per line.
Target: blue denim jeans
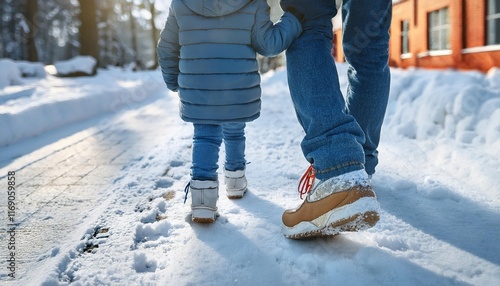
207 140
366 27
341 135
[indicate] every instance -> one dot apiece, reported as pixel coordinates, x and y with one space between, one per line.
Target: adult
341 136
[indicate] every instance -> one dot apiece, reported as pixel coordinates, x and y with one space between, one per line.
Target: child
207 52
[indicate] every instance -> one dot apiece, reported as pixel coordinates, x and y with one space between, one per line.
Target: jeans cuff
338 170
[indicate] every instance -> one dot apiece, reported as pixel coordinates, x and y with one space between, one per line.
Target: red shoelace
306 182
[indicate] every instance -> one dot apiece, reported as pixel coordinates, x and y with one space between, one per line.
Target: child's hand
310 9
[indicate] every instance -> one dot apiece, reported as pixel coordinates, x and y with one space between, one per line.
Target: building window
405 41
439 30
493 22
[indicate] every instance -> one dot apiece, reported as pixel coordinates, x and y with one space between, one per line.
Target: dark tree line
116 32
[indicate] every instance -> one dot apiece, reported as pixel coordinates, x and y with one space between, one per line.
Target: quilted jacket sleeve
270 39
169 51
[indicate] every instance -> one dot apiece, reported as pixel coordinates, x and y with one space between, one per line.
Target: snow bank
54 102
30 69
15 92
493 76
9 73
464 106
76 65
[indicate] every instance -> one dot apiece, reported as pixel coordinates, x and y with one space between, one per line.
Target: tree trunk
89 34
154 32
30 14
133 35
3 39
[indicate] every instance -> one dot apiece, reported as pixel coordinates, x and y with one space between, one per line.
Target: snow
436 104
45 104
9 73
30 69
84 64
437 184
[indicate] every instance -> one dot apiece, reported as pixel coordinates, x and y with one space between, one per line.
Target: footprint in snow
142 264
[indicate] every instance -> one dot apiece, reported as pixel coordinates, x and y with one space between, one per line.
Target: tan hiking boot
236 184
343 203
204 196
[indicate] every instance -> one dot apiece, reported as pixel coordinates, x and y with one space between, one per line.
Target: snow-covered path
61 186
439 223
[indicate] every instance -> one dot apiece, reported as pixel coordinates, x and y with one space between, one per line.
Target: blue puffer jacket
207 52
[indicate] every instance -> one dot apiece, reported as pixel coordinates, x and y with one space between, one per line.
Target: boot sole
234 197
355 223
203 215
357 216
235 194
203 220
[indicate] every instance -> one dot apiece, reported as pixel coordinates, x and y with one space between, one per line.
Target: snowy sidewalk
101 202
59 187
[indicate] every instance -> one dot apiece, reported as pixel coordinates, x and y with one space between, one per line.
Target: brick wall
475 27
400 12
467 20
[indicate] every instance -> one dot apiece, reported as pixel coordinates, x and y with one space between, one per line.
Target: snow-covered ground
37 105
437 184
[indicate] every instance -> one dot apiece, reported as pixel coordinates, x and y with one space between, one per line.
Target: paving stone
55 193
66 180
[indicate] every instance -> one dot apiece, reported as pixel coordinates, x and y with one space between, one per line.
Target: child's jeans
207 140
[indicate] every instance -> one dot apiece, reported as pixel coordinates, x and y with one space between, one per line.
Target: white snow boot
204 195
236 184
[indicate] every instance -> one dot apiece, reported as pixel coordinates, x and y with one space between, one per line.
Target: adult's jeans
340 137
365 40
207 139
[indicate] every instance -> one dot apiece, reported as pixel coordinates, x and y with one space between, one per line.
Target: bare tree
30 14
154 31
89 33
